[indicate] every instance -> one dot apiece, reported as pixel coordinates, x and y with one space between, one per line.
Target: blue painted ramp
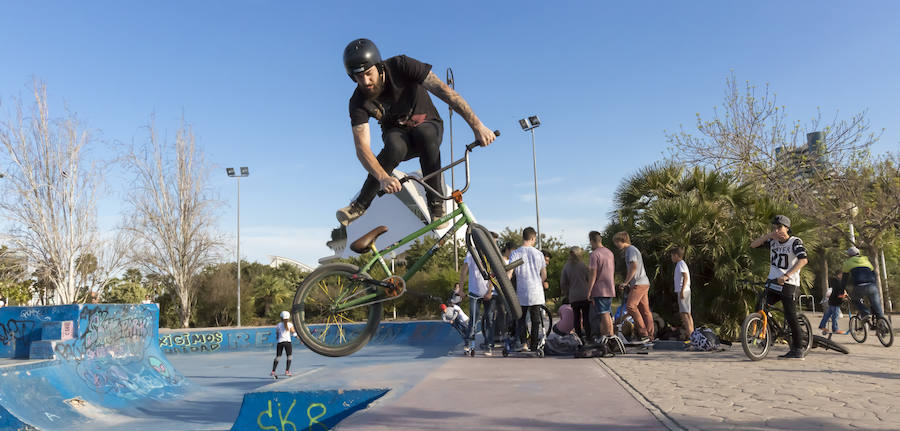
315 410
111 360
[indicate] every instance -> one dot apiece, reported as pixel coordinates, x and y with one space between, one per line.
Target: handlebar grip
475 144
402 180
514 264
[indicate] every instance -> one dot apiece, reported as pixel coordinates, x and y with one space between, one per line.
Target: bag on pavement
704 339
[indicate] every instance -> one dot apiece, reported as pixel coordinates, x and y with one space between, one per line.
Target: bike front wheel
858 329
884 332
487 251
324 327
756 339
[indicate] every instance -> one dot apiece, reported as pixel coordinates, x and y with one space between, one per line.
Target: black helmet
360 55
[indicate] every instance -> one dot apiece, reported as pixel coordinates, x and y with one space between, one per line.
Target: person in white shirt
530 278
480 292
456 318
283 332
787 256
683 290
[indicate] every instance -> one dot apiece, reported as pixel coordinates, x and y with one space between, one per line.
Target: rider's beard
376 90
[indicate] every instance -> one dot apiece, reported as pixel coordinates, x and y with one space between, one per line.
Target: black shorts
285 346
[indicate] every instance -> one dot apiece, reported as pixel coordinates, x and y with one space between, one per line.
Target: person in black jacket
835 298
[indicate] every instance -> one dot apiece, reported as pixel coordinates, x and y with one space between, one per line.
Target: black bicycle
761 329
881 326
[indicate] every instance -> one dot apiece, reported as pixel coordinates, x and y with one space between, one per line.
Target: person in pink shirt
603 290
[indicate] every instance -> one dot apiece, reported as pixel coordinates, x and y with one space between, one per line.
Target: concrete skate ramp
302 410
111 362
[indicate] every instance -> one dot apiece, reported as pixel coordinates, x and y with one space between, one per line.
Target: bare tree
824 175
752 138
172 213
49 191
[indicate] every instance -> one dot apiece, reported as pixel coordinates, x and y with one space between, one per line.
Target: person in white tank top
283 332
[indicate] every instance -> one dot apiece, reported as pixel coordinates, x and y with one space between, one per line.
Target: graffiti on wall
214 341
13 329
113 345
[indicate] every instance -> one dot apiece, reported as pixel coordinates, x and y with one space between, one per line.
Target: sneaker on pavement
288 373
351 212
840 332
437 211
489 352
272 373
792 354
466 351
645 340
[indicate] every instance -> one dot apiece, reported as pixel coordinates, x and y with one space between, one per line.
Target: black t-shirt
404 102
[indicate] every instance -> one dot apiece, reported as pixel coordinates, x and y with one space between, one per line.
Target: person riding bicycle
395 92
787 258
865 281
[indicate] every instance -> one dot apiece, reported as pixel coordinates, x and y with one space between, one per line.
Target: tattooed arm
361 140
437 87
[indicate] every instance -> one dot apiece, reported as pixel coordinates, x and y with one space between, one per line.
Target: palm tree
714 218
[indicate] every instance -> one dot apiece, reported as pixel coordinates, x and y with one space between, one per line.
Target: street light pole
529 124
537 210
243 173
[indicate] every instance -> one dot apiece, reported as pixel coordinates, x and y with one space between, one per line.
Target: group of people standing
587 288
585 285
529 280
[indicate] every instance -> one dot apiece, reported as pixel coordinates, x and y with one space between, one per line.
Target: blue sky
263 86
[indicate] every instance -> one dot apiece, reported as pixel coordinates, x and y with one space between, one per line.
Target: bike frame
466 218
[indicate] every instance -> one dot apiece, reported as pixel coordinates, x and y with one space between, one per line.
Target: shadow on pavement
424 419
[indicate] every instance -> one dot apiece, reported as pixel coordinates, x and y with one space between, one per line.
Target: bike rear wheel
884 332
756 339
321 328
806 334
858 329
488 254
828 344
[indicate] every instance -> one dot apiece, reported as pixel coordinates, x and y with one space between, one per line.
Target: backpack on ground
607 347
704 339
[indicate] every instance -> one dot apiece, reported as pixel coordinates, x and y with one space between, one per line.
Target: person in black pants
787 256
395 92
575 288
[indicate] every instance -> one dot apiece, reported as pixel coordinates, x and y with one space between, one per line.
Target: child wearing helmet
283 332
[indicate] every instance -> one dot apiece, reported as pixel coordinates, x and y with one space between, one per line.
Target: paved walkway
727 391
519 393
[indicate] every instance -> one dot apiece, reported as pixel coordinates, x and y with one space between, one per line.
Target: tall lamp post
245 172
527 124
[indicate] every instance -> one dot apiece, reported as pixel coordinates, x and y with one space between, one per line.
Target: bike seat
365 242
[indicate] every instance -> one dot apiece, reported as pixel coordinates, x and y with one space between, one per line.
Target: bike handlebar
464 159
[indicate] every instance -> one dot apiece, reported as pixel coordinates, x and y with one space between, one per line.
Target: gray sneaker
437 211
351 212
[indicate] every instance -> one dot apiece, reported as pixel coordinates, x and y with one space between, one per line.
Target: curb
657 412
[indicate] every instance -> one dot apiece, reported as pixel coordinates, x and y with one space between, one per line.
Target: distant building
276 261
804 161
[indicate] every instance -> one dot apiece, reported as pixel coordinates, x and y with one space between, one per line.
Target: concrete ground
516 393
727 391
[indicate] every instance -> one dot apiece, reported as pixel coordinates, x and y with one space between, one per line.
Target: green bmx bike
338 307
